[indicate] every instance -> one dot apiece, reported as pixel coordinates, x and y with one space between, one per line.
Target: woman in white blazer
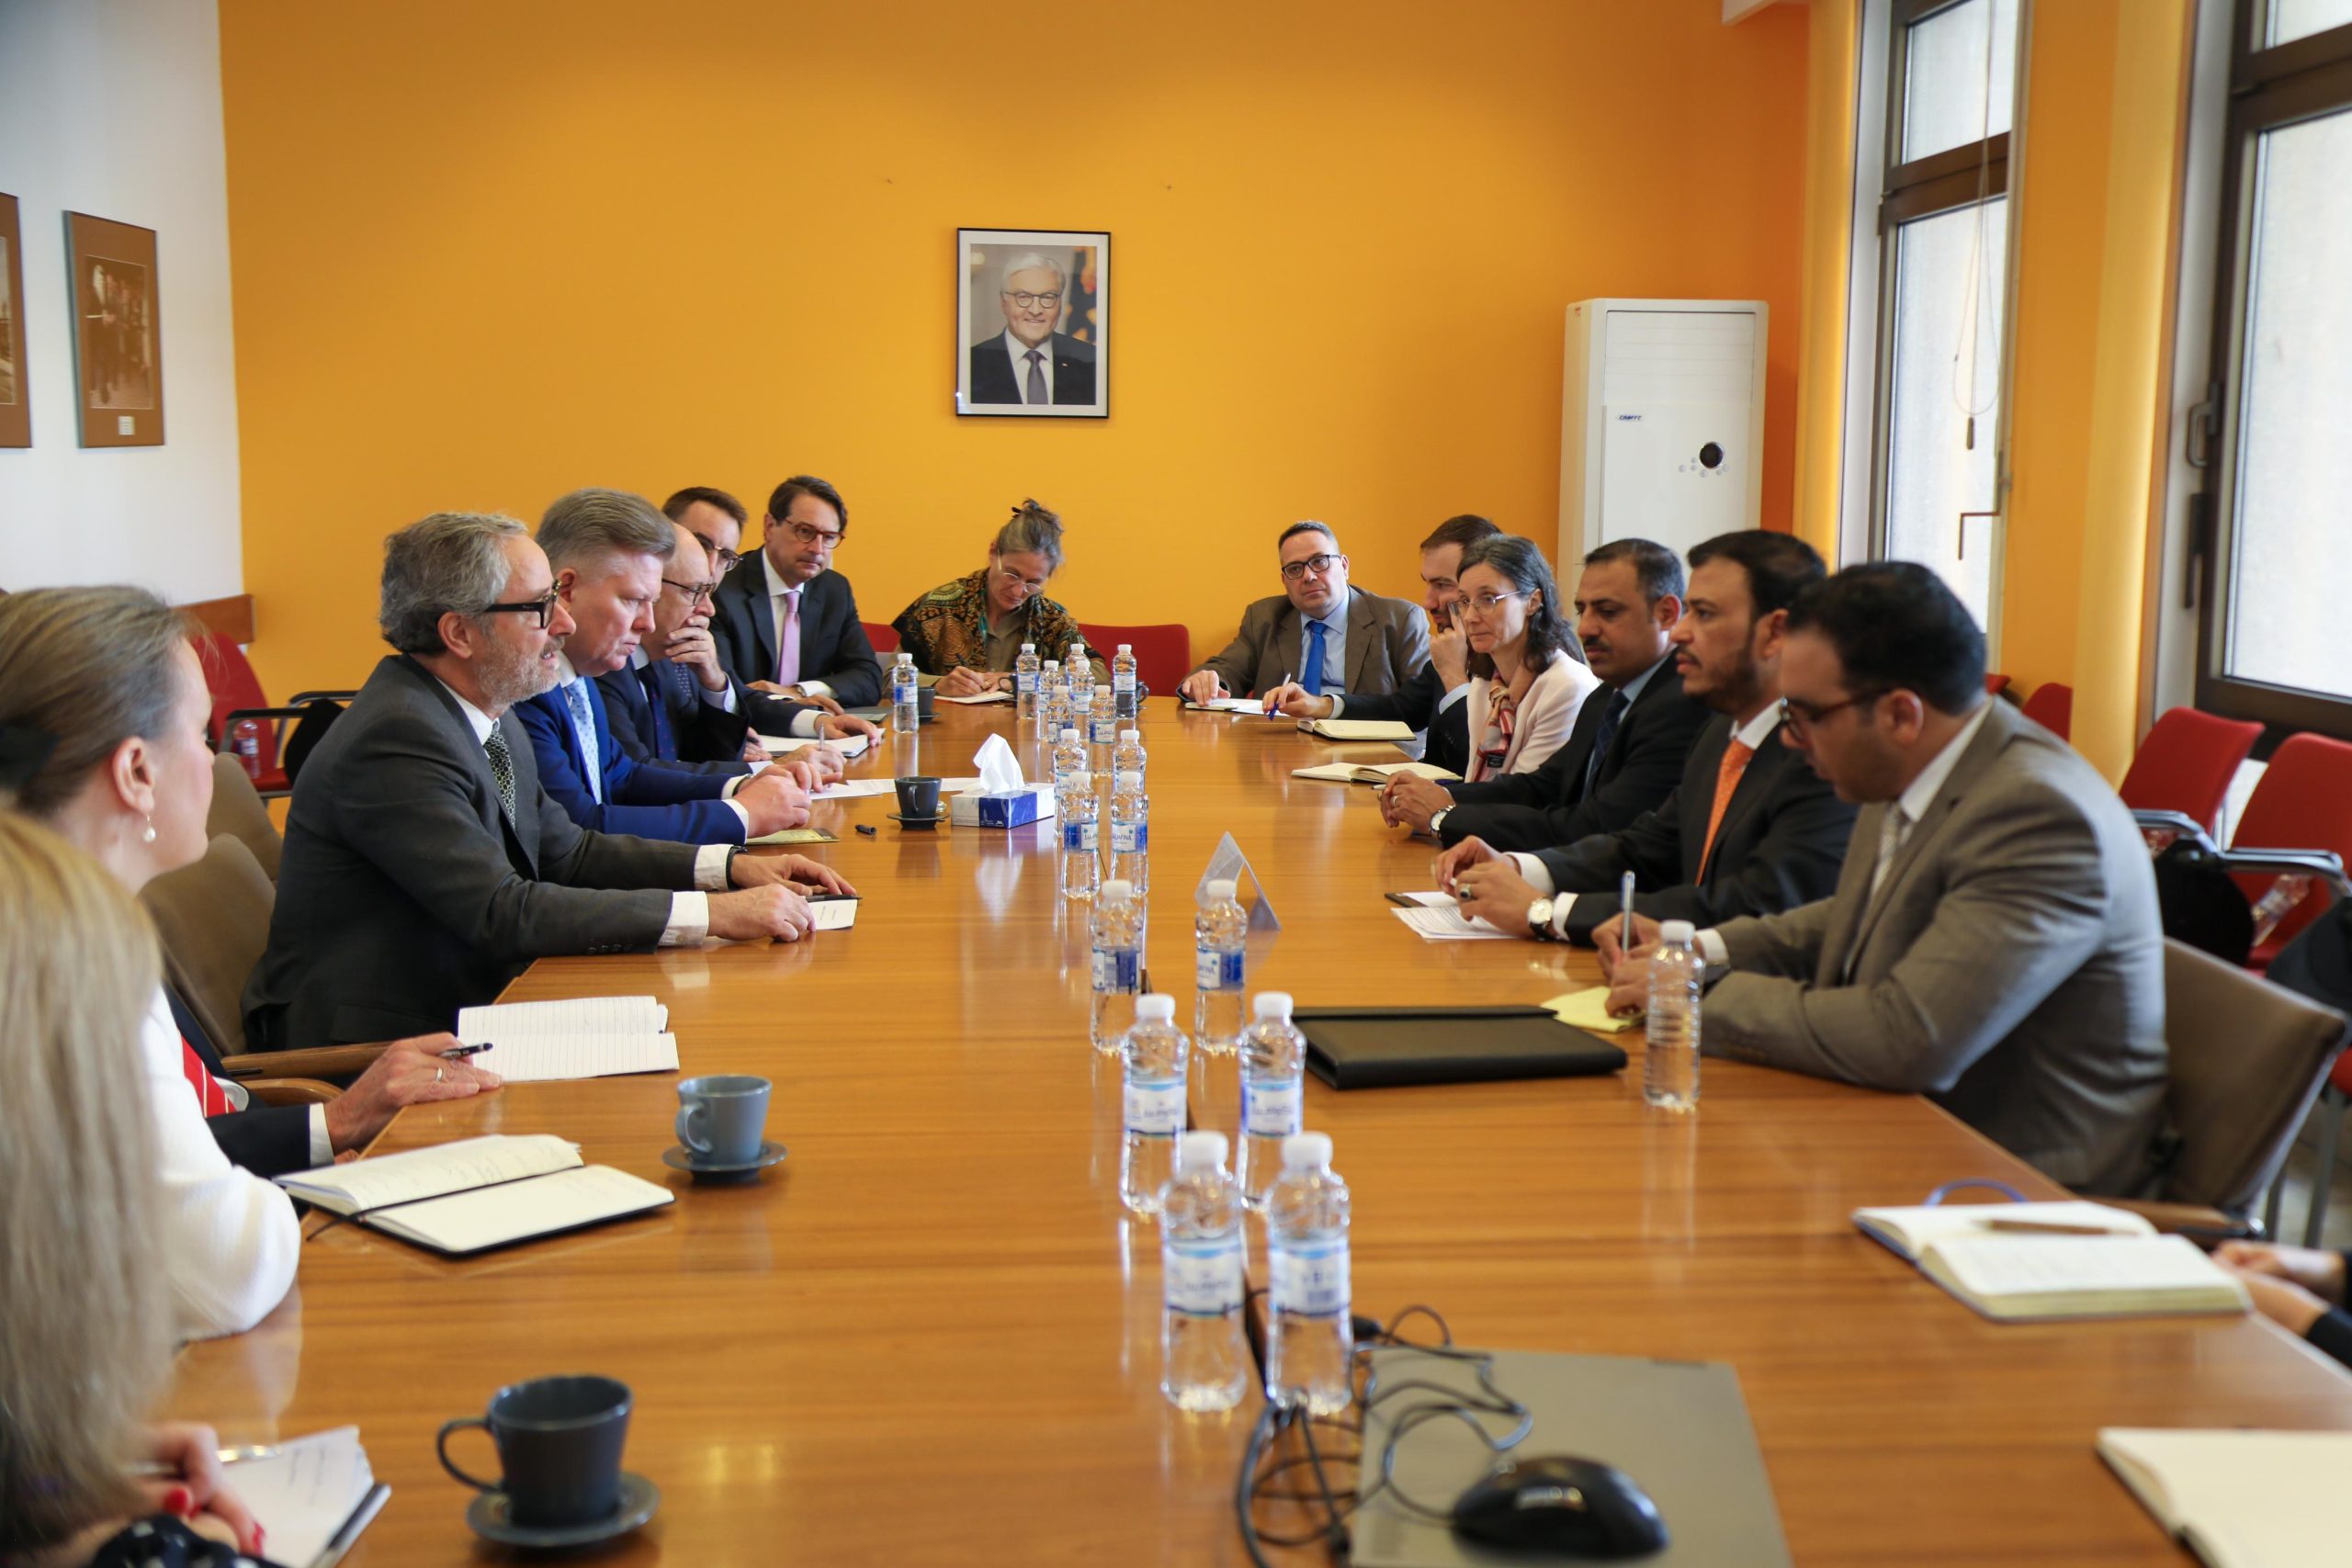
1528 676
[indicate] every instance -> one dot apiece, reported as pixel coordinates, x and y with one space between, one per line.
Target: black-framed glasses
695 593
808 535
723 558
1029 301
1294 570
542 607
1799 717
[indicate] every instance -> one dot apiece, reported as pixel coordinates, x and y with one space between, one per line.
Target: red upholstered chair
237 694
2186 765
1995 684
882 635
2304 802
2053 707
1163 653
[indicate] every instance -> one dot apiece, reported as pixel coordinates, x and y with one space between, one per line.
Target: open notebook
2240 1499
2018 1262
478 1193
585 1037
1371 773
1357 729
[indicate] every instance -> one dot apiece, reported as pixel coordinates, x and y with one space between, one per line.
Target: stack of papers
588 1037
1446 924
309 1492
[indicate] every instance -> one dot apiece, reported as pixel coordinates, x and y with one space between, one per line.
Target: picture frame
118 331
16 400
1009 307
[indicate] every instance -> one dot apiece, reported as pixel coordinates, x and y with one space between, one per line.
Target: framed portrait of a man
1033 314
117 331
15 405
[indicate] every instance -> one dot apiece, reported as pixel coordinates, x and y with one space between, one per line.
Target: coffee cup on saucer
559 1450
918 800
722 1118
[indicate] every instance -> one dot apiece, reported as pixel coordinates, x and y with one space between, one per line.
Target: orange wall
483 253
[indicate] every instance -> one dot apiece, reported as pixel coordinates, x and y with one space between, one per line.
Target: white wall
112 107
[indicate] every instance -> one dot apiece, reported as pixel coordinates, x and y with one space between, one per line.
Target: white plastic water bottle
1078 670
1670 1065
1220 942
1053 698
1127 756
1102 730
1273 1095
1205 1364
1310 1341
1152 1057
1131 832
904 714
1125 698
1081 818
1116 937
1026 671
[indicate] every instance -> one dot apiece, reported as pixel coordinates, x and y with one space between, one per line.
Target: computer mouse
1580 1507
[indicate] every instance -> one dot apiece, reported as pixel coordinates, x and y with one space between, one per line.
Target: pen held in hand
455 1051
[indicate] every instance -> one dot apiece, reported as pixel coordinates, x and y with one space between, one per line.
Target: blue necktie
1313 679
575 697
663 746
1609 722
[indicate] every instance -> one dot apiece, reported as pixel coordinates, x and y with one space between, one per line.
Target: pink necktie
787 642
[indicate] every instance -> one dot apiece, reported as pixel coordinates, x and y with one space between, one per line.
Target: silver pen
1625 903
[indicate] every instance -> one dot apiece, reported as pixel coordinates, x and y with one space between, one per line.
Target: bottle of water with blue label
1102 730
904 714
1053 698
1078 670
1310 1342
1205 1363
1116 937
1273 1095
1127 756
1153 1058
1075 811
1220 951
1127 699
1671 1059
1025 672
1131 833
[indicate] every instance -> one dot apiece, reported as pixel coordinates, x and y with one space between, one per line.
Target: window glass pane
1945 104
2300 18
2293 576
1932 475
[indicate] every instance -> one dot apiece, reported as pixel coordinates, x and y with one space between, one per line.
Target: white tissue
999 769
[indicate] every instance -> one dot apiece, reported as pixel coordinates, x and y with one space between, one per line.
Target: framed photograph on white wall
1033 312
118 331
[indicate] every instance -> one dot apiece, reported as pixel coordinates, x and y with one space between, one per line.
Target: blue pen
1270 706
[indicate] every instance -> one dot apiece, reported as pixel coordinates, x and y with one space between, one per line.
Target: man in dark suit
1747 832
1432 701
1029 362
1625 753
786 623
425 866
1318 632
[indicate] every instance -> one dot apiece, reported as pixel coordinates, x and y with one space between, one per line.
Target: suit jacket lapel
1360 636
1698 789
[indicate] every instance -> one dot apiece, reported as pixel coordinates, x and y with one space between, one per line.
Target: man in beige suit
1318 632
1994 941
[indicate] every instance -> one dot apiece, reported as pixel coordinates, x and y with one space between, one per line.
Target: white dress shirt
231 1240
1020 352
689 912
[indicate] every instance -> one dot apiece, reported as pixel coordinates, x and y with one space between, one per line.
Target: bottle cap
1273 1004
1200 1151
1120 887
1306 1151
1129 780
1220 890
1028 647
1127 648
1133 735
1156 1007
1677 933
1070 732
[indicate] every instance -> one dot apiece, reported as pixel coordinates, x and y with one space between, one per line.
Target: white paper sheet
302 1493
385 1179
975 702
854 789
1447 925
555 1020
835 914
554 1060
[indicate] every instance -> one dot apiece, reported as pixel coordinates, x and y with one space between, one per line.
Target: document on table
2238 1499
1589 1010
975 702
2016 1277
517 1211
506 1022
794 836
854 789
834 914
785 745
1447 925
383 1181
309 1493
1426 900
1229 705
551 1060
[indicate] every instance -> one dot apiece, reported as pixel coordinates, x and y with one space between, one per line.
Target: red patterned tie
210 1098
1502 710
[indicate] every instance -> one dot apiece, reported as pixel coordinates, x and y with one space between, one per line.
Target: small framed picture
118 331
16 403
1033 315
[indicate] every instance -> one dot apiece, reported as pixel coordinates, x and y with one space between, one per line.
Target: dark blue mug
559 1445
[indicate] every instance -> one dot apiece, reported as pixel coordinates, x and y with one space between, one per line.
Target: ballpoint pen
1625 903
1270 706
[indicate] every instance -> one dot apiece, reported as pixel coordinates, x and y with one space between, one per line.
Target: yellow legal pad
1589 1010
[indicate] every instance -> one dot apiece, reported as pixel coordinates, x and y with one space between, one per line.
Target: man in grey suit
1994 941
424 865
1320 633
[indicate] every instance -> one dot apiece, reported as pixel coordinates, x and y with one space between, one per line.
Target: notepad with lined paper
478 1193
2023 1262
582 1037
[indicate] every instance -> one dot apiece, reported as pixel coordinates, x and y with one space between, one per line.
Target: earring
147 834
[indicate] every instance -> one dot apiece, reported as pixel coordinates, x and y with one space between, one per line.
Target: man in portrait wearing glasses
1993 941
786 621
1749 830
1029 362
425 866
1318 633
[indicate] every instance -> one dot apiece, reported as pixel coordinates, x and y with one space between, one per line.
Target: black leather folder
1386 1047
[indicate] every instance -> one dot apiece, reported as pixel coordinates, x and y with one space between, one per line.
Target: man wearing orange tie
1750 830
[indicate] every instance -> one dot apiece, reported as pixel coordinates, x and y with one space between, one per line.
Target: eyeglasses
1011 576
725 559
1029 301
541 607
695 593
1799 718
808 535
1485 603
1294 570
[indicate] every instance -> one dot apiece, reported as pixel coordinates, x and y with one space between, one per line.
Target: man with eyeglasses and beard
1319 636
425 867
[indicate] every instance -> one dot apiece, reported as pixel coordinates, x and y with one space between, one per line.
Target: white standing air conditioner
1661 423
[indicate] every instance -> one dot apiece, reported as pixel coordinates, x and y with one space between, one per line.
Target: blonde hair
88 1342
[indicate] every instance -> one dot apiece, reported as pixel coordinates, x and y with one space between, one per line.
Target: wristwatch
726 872
1437 820
1539 921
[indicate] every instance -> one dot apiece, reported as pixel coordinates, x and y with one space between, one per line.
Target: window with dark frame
2271 539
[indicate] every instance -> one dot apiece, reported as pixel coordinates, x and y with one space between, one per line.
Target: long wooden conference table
932 1334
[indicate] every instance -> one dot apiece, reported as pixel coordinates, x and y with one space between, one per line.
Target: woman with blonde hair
87 1303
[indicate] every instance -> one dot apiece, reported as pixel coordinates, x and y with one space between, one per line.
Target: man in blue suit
608 550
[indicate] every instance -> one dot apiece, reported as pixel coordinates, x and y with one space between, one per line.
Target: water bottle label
1217 969
1271 1108
1309 1281
1104 732
1201 1278
1130 838
1118 969
1025 682
1155 1108
1081 837
1123 681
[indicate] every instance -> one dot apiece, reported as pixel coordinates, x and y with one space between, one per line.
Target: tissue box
1010 809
